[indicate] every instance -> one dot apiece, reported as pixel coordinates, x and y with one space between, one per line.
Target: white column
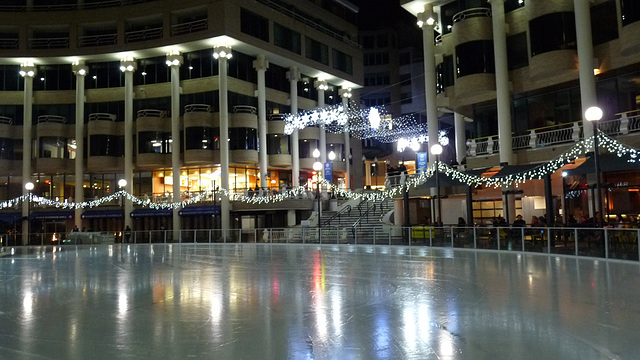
28 71
223 53
174 60
585 61
293 75
321 86
461 137
503 96
426 21
128 66
80 70
261 65
346 96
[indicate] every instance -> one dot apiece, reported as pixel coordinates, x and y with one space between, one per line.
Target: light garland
606 143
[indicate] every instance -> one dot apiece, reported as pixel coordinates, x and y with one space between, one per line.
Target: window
254 25
106 145
405 58
243 139
374 79
405 79
555 31
444 73
277 144
517 52
286 38
202 138
150 142
381 58
382 40
6 149
406 98
317 51
342 62
51 147
604 22
475 57
368 42
630 11
510 5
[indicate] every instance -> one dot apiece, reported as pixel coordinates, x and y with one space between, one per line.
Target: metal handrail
6 120
471 13
97 40
8 44
337 215
197 108
51 119
102 116
142 35
189 27
49 43
152 113
247 109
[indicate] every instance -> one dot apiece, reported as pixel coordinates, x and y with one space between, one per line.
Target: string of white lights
578 150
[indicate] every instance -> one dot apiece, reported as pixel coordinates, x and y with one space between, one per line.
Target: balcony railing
6 120
97 40
51 119
8 44
102 116
189 27
65 7
49 43
471 13
152 113
626 123
197 108
143 35
247 109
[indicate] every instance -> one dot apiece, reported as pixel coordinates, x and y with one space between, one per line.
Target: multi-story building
147 92
519 75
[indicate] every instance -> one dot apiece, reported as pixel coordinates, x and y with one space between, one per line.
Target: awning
607 163
200 210
102 213
151 212
444 180
52 215
514 169
10 217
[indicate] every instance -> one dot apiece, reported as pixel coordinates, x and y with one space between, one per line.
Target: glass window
202 138
475 57
105 145
254 25
6 149
277 144
555 31
51 147
517 51
286 38
243 139
604 22
317 51
306 147
630 11
444 73
342 62
154 142
510 5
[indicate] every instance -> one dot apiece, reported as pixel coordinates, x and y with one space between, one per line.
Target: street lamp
317 166
436 149
29 187
594 114
375 166
122 183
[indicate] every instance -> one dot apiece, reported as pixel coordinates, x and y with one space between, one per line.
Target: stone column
261 65
222 54
128 66
503 96
346 96
461 137
174 60
427 22
293 75
585 59
80 70
28 71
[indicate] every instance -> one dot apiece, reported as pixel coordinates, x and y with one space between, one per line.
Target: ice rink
253 301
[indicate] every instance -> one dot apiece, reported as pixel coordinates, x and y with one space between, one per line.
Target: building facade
149 92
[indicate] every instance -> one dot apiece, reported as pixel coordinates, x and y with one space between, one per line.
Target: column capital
426 19
261 63
128 64
293 74
174 59
222 51
321 85
28 70
345 93
79 68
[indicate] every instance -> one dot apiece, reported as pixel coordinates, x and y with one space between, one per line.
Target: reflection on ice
246 301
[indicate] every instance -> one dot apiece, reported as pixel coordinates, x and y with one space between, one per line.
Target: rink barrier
608 243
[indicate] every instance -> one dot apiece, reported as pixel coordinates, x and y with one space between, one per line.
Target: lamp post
317 166
122 183
594 114
436 149
375 166
364 171
29 187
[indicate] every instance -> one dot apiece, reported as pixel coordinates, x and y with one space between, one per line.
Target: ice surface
255 301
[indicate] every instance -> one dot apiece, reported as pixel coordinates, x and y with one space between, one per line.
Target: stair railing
346 209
